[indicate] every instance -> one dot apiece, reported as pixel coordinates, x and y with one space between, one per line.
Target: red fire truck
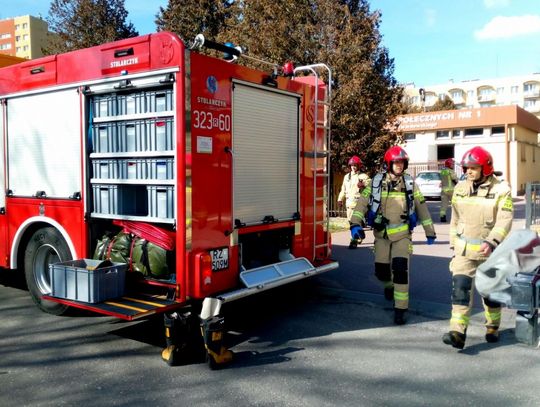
230 164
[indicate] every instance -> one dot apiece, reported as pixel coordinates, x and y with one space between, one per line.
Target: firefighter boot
399 316
389 291
171 353
213 331
455 338
443 218
353 244
492 335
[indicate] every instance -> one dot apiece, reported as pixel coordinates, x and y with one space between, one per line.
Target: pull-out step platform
129 307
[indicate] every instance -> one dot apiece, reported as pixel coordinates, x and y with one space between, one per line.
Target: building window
456 133
409 136
514 90
442 134
17 38
476 132
25 48
5 36
442 96
497 131
17 26
18 49
25 37
5 46
523 152
530 88
25 26
531 104
500 91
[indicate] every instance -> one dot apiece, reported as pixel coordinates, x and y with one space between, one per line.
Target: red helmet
395 153
449 163
355 160
477 156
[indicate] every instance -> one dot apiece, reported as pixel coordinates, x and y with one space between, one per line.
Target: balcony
532 94
487 97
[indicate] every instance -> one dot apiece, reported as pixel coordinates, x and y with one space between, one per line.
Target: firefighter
448 181
393 205
482 212
353 184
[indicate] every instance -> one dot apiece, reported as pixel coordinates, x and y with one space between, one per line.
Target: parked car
429 183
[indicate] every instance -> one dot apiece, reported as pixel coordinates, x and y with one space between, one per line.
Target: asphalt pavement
327 341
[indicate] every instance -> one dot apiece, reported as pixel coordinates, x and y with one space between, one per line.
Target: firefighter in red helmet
482 212
353 184
392 206
448 181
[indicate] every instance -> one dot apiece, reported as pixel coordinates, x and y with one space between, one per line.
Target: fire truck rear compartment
265 247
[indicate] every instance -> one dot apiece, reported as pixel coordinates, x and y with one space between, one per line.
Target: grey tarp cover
518 253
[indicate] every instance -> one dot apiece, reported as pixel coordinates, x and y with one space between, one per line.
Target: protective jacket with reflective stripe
484 214
448 179
394 208
349 188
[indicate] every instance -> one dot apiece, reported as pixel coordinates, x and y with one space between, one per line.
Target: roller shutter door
265 145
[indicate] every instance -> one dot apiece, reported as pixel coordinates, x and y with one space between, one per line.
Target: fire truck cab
228 163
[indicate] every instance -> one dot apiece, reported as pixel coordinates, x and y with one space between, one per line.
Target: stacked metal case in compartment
132 141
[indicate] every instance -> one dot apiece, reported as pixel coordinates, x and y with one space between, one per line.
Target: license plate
220 259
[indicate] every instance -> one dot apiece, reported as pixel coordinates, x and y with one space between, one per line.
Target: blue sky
141 12
431 41
434 41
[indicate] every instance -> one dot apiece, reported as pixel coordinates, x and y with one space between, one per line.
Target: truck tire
45 246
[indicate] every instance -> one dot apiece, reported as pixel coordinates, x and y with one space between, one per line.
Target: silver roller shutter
265 145
44 144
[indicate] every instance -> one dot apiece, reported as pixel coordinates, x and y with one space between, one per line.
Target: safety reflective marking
155 304
401 296
125 306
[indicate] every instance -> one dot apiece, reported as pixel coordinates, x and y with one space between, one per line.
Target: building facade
23 36
509 133
522 91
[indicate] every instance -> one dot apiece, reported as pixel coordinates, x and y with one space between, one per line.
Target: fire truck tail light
203 268
160 124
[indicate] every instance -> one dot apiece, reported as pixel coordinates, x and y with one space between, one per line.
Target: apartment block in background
23 36
522 91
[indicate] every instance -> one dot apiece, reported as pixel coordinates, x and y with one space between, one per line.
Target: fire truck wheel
45 246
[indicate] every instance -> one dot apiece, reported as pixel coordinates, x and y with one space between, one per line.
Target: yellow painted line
155 304
125 306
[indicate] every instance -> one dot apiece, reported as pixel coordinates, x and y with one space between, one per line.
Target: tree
443 104
187 18
79 24
344 34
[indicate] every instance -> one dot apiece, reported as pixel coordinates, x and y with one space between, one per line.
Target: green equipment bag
141 255
149 259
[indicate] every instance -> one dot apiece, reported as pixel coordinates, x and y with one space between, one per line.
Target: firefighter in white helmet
353 184
448 181
394 205
482 212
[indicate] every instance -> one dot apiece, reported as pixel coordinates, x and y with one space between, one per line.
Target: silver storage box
161 201
132 136
160 168
159 100
159 134
134 168
84 280
104 106
132 103
105 138
106 169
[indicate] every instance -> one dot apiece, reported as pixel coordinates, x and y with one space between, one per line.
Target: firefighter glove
430 240
357 232
371 217
413 220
